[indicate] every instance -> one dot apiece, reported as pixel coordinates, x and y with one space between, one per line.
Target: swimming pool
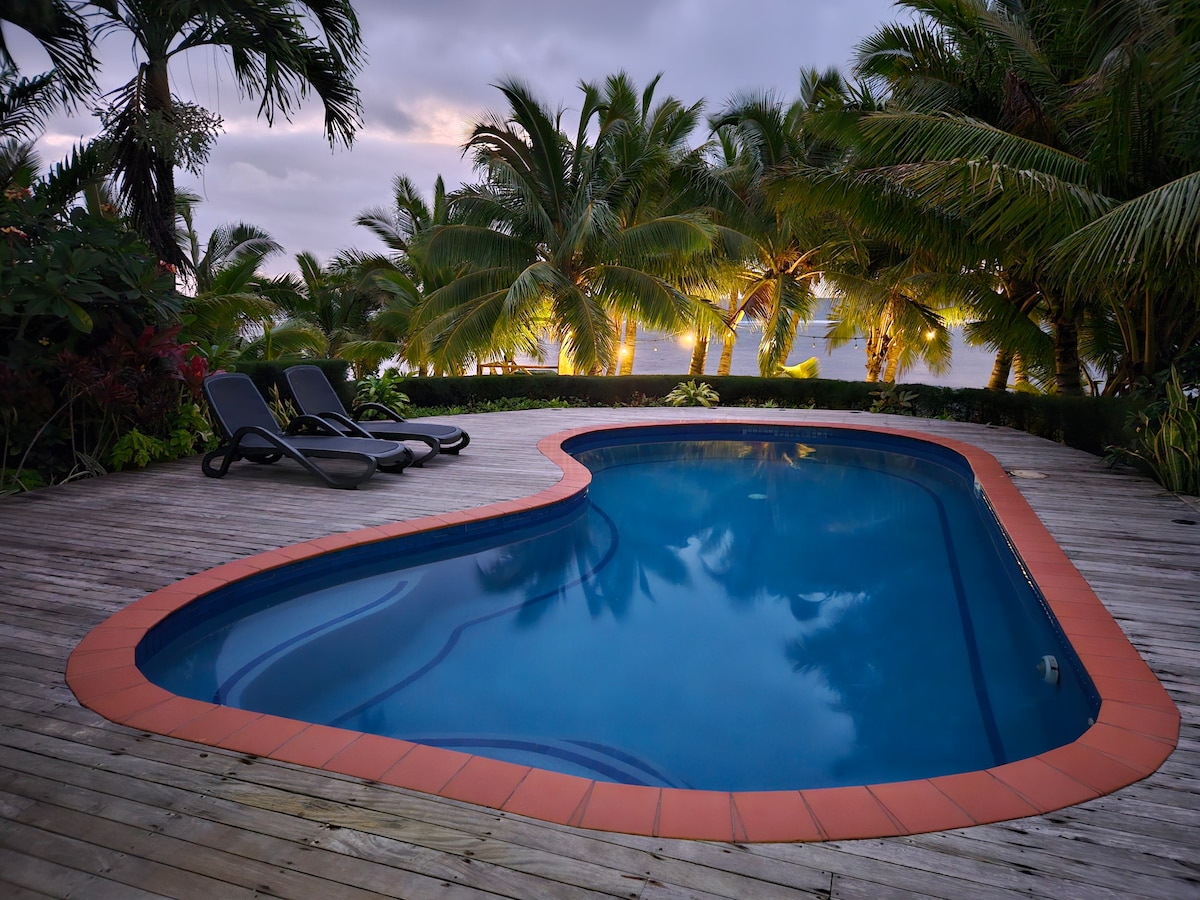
803 610
798 623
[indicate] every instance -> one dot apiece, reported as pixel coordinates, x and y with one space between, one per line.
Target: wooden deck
93 809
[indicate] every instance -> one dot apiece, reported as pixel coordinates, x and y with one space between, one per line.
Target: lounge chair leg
228 457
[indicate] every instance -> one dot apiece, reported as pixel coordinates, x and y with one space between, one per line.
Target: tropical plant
1167 438
63 280
186 431
228 245
692 393
565 234
130 399
25 103
773 248
890 399
383 389
275 57
62 32
232 315
405 277
89 348
327 311
1055 141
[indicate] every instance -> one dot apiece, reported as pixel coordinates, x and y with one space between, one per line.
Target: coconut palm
275 57
565 231
232 307
228 244
1091 149
334 308
782 245
772 282
404 277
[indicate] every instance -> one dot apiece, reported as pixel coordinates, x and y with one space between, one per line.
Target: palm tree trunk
699 355
1066 353
726 361
159 224
565 365
1020 373
729 337
877 344
628 346
893 361
614 360
1000 371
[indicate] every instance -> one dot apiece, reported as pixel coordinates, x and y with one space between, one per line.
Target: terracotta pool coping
1136 730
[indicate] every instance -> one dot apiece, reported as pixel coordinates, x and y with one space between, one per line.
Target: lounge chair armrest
256 430
349 424
315 423
377 407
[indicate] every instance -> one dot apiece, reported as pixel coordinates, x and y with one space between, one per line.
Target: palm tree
62 32
1054 142
405 277
274 57
232 309
564 231
333 308
24 105
780 244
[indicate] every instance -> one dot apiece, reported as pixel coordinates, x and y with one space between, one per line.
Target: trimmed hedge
267 375
1086 423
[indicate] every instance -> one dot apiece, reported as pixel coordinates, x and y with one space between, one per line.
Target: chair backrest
236 403
313 393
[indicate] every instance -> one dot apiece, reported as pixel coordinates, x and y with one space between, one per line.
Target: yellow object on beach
810 368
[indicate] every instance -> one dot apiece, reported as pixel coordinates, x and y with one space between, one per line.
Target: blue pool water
788 608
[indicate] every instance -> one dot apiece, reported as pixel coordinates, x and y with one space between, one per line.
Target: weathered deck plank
88 808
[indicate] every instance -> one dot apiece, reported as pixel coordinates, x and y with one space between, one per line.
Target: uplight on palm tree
568 231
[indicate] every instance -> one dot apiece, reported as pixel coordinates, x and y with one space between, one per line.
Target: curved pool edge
1136 730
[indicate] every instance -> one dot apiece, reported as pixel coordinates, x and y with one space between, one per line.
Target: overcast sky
430 71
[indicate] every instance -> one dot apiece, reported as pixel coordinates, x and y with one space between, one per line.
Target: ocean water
662 354
665 354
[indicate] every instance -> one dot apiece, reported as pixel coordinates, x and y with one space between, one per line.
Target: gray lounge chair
315 396
251 432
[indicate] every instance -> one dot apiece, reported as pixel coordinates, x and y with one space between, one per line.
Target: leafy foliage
60 281
891 399
88 355
383 389
1167 438
692 393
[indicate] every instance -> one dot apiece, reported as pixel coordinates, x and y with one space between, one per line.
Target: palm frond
892 138
454 246
668 237
1142 238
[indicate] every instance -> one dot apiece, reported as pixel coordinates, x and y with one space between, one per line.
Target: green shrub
692 393
890 399
1166 439
90 358
1087 423
383 389
267 375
